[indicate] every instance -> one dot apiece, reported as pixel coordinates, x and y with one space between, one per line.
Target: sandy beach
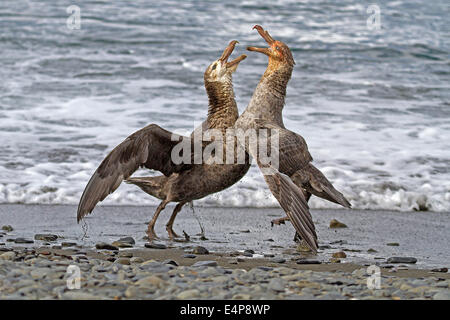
239 251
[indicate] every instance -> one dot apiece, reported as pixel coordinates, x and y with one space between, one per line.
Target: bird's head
278 52
221 70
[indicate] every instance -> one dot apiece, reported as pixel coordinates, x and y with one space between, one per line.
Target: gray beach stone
68 244
401 260
125 254
154 245
124 261
136 260
277 284
45 237
307 261
206 263
129 240
23 240
171 262
105 246
151 281
79 295
7 228
442 295
8 255
189 294
200 250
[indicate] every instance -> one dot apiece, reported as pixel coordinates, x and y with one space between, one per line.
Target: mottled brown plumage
151 148
295 178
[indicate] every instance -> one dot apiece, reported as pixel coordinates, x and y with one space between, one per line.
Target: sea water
370 94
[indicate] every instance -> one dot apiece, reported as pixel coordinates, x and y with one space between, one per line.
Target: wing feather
149 147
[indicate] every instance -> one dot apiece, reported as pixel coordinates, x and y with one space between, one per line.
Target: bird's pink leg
169 224
151 225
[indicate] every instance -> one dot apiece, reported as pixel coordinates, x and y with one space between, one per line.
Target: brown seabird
295 178
151 147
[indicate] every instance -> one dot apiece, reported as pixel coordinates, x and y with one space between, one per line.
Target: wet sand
422 235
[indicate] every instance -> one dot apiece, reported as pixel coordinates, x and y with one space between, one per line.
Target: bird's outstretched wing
150 147
293 202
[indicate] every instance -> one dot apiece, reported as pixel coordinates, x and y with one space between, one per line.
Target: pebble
45 237
340 254
393 244
206 263
124 261
171 262
444 270
305 261
120 244
401 260
279 260
442 295
151 281
154 245
105 246
337 224
7 228
79 295
125 254
22 240
200 250
129 240
265 268
136 260
241 296
277 284
189 256
8 255
188 294
68 244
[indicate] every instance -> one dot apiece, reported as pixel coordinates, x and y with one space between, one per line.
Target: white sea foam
373 106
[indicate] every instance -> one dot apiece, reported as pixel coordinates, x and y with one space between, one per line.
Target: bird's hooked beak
266 36
227 53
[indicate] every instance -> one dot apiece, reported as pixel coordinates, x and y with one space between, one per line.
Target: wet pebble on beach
7 228
200 250
37 276
401 260
337 224
154 245
105 246
46 237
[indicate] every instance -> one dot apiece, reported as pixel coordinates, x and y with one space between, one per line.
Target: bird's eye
214 67
278 48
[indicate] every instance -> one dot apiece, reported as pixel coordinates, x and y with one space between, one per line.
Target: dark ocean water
373 105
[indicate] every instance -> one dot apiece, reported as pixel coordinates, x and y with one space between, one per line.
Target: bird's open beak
227 53
236 61
266 36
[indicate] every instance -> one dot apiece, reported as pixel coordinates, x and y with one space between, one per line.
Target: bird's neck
268 99
222 110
